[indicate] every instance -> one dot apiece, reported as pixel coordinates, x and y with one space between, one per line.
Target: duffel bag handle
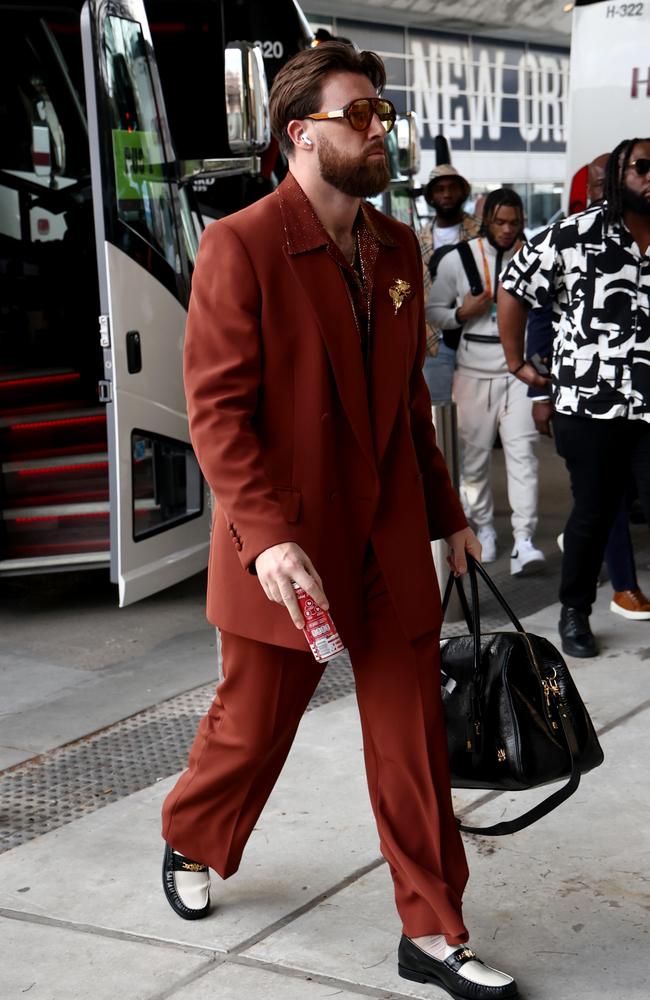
473 618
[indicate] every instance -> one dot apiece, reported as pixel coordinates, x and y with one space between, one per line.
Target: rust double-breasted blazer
293 442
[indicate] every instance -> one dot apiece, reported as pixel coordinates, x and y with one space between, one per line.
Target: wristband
513 371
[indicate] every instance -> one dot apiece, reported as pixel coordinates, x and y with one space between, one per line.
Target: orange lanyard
486 268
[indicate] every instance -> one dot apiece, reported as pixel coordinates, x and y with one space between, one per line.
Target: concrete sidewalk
563 905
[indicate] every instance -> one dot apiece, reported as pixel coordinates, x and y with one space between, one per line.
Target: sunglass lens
386 114
642 167
360 115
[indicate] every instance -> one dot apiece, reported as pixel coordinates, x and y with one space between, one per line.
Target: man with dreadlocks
489 399
595 269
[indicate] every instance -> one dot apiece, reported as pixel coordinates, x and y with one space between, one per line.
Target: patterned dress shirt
599 283
359 275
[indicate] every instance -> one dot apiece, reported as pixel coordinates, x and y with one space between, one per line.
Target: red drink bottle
324 641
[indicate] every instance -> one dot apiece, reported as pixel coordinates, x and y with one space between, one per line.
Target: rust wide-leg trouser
243 741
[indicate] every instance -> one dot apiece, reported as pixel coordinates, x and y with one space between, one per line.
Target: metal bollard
445 423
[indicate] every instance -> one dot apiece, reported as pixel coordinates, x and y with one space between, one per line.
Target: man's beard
354 176
497 246
452 214
634 202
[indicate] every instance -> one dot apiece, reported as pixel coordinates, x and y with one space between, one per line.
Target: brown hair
296 90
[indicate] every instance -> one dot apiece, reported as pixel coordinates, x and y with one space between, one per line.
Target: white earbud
307 141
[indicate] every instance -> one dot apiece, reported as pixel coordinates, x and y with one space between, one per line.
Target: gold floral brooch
399 291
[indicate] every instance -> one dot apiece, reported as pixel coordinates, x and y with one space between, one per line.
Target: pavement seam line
292 972
189 979
216 957
311 904
27 917
623 718
40 757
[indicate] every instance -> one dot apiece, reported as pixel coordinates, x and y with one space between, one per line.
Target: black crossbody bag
515 719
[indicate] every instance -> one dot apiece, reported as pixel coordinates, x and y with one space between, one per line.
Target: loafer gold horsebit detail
465 953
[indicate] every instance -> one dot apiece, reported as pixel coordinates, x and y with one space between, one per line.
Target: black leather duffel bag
514 717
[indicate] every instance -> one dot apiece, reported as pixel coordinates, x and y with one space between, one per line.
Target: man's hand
528 374
278 566
543 412
459 544
473 305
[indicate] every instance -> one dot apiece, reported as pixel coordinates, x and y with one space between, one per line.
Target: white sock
434 945
475 972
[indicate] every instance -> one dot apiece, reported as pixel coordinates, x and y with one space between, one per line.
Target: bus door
145 240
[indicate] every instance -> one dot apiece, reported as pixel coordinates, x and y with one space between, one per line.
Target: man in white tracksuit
488 397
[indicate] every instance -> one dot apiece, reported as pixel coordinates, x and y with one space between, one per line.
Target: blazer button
334 496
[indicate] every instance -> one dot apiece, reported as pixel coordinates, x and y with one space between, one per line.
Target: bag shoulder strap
470 267
548 804
436 257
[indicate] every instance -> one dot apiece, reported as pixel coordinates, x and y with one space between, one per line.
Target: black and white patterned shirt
599 282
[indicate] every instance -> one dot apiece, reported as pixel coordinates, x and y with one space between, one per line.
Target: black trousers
601 456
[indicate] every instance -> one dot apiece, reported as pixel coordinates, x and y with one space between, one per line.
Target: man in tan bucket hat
446 191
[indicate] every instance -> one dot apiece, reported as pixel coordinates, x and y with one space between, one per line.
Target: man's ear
298 135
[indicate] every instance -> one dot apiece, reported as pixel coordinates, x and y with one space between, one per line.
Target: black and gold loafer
420 967
186 884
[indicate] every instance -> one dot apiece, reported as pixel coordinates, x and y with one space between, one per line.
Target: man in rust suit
311 420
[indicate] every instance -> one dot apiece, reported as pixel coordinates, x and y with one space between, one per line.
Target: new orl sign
482 94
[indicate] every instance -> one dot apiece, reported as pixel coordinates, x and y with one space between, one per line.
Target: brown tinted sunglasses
359 113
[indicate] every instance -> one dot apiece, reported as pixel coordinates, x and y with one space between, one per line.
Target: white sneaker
525 557
487 536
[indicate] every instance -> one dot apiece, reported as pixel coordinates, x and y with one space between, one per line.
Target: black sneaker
186 884
575 632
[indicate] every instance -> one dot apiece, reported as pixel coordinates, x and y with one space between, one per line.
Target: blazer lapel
390 350
321 280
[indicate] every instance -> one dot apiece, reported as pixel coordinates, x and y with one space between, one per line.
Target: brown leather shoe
631 604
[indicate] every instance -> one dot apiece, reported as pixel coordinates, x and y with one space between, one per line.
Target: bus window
144 196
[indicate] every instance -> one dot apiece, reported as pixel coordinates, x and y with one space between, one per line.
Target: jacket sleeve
444 511
223 377
539 340
444 295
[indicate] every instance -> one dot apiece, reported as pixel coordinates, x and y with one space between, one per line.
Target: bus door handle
133 352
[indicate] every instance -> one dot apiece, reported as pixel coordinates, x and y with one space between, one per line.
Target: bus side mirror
408 144
247 99
41 151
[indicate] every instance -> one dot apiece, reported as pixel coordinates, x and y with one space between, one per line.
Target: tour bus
609 89
102 194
